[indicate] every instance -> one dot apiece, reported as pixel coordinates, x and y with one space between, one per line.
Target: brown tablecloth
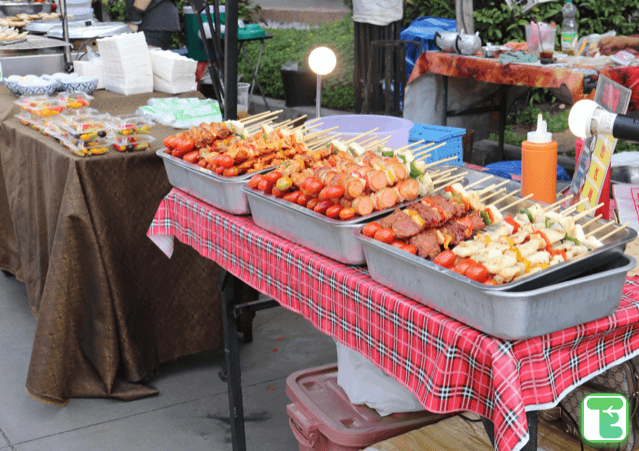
110 306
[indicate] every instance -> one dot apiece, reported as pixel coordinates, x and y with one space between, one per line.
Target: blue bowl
80 84
14 87
46 87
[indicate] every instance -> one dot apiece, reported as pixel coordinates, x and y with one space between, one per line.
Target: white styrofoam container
90 69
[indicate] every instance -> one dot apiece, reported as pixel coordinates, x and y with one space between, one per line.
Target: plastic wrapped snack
85 126
131 124
40 105
74 99
132 142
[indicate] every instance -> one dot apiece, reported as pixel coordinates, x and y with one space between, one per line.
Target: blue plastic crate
507 169
423 30
437 134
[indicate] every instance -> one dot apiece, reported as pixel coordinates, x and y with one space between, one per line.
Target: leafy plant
624 146
510 137
296 45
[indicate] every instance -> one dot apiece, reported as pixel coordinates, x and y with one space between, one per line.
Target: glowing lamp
322 61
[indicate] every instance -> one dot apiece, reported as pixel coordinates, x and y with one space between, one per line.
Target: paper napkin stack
127 64
173 73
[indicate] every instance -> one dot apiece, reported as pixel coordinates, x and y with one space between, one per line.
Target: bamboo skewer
282 124
322 142
493 194
366 141
614 231
437 147
422 148
479 182
440 174
320 133
361 136
561 201
494 186
450 182
586 224
574 207
313 120
379 143
456 176
261 122
410 145
258 117
254 128
300 127
599 229
516 202
587 212
495 202
435 163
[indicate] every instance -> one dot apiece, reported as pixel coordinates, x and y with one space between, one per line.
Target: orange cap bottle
539 164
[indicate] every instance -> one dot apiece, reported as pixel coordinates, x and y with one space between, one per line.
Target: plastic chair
387 57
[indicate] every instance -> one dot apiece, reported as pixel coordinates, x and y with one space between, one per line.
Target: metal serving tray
334 239
510 315
221 192
614 246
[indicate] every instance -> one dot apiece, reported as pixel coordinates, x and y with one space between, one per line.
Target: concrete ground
191 411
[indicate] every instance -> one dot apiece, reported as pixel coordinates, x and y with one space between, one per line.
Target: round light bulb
322 61
580 118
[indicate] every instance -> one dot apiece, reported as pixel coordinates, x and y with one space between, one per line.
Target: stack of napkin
173 73
127 64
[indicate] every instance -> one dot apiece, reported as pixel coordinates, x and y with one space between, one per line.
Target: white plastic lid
541 136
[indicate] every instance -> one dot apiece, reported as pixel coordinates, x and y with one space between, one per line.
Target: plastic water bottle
569 28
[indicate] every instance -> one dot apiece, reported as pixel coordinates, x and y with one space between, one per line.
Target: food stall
503 342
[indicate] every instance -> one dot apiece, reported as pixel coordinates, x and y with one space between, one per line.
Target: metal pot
445 41
468 44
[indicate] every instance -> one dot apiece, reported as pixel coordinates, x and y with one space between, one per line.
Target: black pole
230 63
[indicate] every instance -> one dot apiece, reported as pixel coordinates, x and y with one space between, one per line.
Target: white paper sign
627 198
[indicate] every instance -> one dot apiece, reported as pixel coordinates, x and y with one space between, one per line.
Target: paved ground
191 411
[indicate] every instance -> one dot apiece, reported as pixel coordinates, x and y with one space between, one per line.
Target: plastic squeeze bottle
539 164
569 29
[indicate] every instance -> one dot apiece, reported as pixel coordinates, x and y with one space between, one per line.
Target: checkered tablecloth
447 365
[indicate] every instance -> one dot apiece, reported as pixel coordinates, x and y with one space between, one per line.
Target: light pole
322 61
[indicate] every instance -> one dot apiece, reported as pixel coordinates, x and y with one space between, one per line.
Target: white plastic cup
547 35
242 100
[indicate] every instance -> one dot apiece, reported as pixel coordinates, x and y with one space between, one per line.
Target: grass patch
295 45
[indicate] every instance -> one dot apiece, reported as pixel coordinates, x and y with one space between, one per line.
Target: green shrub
296 45
497 24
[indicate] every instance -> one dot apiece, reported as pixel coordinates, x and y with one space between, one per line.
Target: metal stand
257 66
233 289
531 418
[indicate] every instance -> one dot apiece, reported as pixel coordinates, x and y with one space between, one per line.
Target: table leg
531 418
444 118
230 287
257 67
255 73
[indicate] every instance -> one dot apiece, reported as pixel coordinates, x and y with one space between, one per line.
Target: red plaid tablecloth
446 364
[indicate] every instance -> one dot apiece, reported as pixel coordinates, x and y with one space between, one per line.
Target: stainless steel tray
335 240
17 41
504 314
221 192
614 246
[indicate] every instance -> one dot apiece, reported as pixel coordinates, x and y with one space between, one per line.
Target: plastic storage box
323 419
423 30
438 134
193 42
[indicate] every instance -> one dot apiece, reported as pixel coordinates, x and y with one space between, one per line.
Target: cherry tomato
185 145
333 211
287 196
191 157
409 248
314 186
370 229
219 170
294 196
332 192
464 265
322 206
347 213
303 199
489 282
312 203
265 186
385 235
231 172
277 192
255 180
170 142
398 244
273 176
226 161
445 259
477 272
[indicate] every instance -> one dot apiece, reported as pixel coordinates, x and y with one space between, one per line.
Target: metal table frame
230 289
